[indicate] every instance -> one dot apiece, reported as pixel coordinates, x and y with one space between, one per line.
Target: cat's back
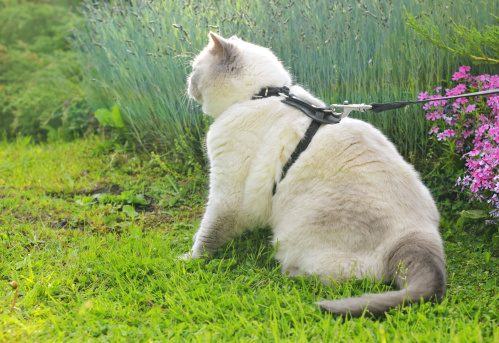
356 172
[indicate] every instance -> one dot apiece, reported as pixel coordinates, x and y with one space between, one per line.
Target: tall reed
137 54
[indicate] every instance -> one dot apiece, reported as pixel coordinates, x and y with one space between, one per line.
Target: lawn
90 232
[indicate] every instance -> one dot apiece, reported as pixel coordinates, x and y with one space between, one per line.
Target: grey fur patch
417 266
424 263
219 232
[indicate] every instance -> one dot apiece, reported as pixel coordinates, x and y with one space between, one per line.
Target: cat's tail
418 269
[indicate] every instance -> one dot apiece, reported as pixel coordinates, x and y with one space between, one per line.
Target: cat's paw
192 256
184 257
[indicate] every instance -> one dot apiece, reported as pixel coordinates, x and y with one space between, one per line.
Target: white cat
349 205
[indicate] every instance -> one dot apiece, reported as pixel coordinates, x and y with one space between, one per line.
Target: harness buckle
347 108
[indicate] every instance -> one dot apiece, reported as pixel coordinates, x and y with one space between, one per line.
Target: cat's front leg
218 227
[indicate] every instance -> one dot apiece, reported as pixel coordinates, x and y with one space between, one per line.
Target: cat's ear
222 48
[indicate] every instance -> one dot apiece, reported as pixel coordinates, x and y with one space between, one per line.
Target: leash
380 107
328 115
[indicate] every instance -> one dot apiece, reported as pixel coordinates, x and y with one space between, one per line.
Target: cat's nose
193 89
195 94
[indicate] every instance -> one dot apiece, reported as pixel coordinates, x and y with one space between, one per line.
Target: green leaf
104 117
105 198
474 214
172 201
122 198
130 211
137 200
84 201
117 119
172 182
495 238
486 256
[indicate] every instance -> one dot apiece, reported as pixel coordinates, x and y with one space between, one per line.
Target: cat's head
231 70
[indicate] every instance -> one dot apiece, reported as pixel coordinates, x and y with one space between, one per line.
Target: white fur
343 205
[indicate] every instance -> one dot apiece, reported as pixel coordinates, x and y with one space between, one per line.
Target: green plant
137 57
111 118
126 198
467 129
480 47
40 78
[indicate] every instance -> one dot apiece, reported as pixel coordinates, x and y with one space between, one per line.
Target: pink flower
471 126
434 115
462 101
423 96
482 118
481 78
449 133
458 76
466 134
470 108
474 152
453 91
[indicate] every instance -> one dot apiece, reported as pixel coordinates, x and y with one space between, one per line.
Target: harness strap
301 147
319 115
267 92
327 115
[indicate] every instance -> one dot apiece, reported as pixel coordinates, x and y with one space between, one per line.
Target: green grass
138 57
88 271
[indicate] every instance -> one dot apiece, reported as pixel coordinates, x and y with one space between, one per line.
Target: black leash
327 115
375 107
380 107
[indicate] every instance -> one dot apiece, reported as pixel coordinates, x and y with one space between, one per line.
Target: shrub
470 128
40 90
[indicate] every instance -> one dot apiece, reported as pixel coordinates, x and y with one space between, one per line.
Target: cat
349 205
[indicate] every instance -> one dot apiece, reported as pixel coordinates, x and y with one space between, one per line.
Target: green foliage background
362 51
481 46
40 77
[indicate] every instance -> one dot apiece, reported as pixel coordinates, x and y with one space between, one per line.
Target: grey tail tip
422 289
334 307
376 305
342 308
417 267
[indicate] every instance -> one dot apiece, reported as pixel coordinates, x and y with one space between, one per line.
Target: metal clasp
347 108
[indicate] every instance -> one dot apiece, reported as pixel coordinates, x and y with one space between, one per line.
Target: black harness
319 115
327 115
